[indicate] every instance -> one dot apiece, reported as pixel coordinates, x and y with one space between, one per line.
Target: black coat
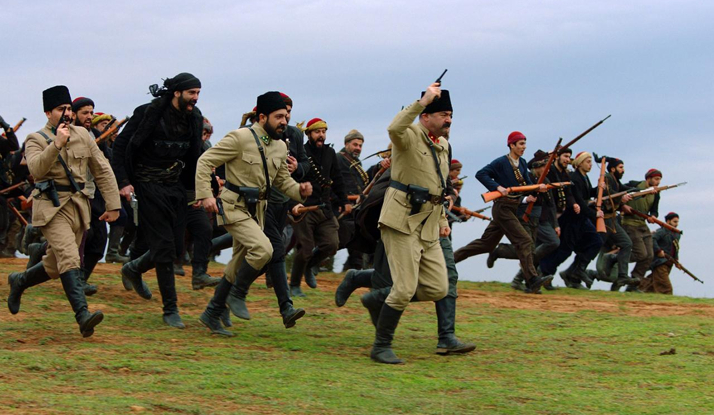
325 176
582 192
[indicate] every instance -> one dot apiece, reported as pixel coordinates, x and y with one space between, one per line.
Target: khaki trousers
64 235
658 281
418 268
249 243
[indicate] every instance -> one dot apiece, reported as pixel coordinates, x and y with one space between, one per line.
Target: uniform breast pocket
425 162
277 164
251 164
79 160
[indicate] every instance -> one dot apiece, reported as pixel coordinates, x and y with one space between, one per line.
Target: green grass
529 360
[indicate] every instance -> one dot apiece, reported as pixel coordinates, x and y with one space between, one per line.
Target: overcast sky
546 68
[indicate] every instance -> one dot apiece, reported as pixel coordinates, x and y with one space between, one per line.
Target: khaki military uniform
63 226
244 167
412 241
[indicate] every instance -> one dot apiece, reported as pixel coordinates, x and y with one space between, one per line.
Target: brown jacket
81 155
244 167
413 163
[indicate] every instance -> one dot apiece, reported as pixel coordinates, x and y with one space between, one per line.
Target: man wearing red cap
636 227
504 172
317 234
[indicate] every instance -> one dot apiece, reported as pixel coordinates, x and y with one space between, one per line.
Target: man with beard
276 215
636 227
504 172
577 224
317 234
616 235
355 179
95 239
155 157
255 159
60 157
663 241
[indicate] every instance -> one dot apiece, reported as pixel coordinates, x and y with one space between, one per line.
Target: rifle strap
61 160
265 163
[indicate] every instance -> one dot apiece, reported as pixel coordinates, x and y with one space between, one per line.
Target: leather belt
434 199
66 188
236 189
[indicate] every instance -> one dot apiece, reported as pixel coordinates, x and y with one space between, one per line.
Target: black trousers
577 234
162 218
199 227
96 239
276 217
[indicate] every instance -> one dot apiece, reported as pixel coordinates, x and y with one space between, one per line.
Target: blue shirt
500 173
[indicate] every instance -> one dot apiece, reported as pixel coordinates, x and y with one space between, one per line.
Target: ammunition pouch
48 188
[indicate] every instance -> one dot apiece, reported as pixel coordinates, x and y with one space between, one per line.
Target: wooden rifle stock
490 196
374 180
469 213
110 131
680 266
17 126
16 212
541 179
655 220
306 209
600 222
13 187
352 198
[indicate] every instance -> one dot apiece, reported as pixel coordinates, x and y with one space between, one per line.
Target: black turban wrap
182 82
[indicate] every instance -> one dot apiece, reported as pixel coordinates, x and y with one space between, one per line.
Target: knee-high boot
131 275
386 326
212 316
236 298
353 279
446 319
167 286
20 281
75 294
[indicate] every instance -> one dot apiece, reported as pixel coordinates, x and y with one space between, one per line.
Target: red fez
287 99
455 164
653 173
515 137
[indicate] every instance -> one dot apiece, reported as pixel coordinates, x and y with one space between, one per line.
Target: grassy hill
563 352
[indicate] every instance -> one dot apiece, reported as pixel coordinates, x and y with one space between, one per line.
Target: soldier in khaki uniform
412 217
64 221
246 153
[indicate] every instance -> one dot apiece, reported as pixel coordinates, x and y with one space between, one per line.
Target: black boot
200 278
494 255
236 298
312 265
280 285
580 271
90 261
622 280
534 283
226 318
167 286
211 317
353 279
446 320
517 283
178 268
114 240
382 347
568 276
20 281
373 302
35 252
296 276
75 295
131 272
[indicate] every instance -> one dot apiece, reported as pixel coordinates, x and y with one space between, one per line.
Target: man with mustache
504 172
317 234
255 158
155 157
61 207
356 179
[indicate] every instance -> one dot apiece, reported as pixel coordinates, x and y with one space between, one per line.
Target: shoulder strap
265 163
73 184
436 161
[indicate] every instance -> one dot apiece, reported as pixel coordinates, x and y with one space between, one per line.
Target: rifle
302 211
13 187
584 133
541 179
655 220
600 222
110 130
352 198
17 126
641 193
490 196
469 213
381 153
369 187
17 213
680 266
